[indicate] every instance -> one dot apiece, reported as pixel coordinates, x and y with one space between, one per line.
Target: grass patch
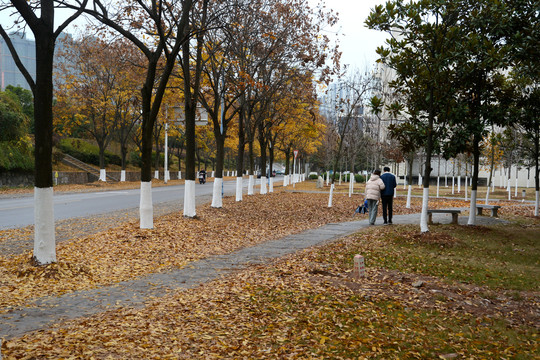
504 256
332 324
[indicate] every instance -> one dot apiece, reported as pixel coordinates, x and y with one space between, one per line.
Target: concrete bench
493 208
454 213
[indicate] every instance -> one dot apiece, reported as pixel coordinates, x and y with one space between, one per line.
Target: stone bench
493 208
454 213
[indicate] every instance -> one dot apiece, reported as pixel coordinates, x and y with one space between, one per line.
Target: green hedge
345 177
359 178
86 152
135 158
16 156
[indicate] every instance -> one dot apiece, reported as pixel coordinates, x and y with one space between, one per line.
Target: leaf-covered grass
302 306
501 256
290 309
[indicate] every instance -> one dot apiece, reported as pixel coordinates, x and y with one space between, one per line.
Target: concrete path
50 310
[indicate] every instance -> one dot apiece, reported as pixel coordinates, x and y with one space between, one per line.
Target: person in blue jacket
387 195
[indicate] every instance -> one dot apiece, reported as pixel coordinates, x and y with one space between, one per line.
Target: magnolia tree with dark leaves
420 50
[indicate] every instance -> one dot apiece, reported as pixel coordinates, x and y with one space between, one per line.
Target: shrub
16 156
135 158
86 152
313 177
359 178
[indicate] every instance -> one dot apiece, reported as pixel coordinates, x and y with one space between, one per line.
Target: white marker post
359 270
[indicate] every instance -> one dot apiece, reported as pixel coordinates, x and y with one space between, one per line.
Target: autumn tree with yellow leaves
96 90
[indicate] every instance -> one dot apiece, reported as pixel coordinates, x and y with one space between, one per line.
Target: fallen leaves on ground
127 252
299 307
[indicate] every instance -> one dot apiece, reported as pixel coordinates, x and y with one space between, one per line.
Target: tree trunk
427 170
240 154
474 186
287 153
491 170
123 152
44 232
217 201
537 169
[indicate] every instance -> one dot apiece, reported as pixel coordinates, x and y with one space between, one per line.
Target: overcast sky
357 42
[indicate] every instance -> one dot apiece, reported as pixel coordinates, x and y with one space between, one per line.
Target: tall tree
419 50
160 31
522 32
93 82
480 57
39 17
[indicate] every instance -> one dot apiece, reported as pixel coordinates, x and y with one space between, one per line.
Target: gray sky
357 42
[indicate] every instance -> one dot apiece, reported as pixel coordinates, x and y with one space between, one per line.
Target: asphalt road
19 212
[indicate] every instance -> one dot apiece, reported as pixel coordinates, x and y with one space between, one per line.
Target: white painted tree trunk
516 191
459 183
285 180
340 178
213 173
438 180
123 175
146 210
271 185
239 186
189 199
263 185
156 174
445 180
217 200
250 185
472 209
537 203
466 194
44 235
453 185
167 176
102 175
409 195
424 216
179 175
419 180
331 195
351 189
487 196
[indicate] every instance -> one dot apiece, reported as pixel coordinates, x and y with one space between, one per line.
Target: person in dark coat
387 195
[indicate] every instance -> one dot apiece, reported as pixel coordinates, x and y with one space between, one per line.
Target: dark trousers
387 201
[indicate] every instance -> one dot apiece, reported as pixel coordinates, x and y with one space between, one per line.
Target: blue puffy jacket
390 184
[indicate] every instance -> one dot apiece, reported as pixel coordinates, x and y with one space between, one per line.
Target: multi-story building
26 50
9 72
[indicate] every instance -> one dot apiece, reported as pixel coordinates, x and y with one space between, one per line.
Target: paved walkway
50 310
